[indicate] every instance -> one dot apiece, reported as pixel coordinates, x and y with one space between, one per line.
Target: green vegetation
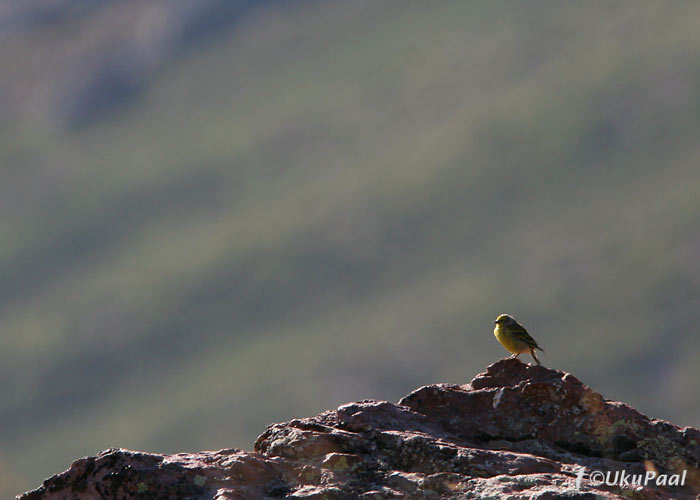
333 201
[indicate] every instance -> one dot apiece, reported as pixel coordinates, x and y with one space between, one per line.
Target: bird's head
504 319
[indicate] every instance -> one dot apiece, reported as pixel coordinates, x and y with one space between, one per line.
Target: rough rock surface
516 431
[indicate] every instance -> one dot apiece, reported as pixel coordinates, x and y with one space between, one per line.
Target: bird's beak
496 321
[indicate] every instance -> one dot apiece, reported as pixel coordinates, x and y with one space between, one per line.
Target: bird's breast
497 331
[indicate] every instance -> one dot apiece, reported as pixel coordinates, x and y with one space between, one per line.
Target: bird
514 337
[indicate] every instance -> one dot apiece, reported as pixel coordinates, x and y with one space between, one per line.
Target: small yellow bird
514 337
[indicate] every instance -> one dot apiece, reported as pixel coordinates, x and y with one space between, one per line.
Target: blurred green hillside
330 201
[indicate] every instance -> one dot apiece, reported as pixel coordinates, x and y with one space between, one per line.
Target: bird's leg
514 356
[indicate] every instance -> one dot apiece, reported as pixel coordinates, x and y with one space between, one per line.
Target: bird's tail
532 353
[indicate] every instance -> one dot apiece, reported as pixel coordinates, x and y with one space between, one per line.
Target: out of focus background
219 214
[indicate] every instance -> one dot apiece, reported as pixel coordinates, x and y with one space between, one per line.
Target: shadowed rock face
515 431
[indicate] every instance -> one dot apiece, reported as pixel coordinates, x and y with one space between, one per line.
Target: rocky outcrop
516 431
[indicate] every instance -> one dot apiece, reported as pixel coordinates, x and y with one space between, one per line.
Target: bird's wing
522 334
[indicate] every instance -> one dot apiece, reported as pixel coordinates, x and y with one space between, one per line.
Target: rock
516 431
